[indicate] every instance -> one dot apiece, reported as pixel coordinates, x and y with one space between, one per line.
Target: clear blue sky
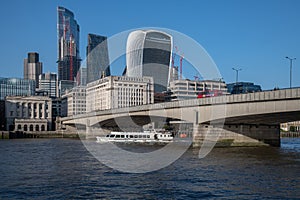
255 35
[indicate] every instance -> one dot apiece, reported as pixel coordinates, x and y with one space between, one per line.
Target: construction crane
181 58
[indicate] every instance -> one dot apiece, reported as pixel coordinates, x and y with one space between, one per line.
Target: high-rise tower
68 45
33 68
148 53
97 61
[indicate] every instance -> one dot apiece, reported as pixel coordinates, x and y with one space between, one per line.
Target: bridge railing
264 95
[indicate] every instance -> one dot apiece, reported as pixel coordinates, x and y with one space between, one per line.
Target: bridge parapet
227 99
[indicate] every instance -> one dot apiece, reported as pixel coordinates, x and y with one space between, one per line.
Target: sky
254 35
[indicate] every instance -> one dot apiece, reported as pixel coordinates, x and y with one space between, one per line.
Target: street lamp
291 64
237 74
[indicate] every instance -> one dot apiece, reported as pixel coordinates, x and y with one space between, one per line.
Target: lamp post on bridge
291 65
237 74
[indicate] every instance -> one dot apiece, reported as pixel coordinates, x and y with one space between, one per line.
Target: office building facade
148 53
189 89
16 87
81 77
119 92
74 101
64 86
48 83
33 67
68 45
97 59
243 87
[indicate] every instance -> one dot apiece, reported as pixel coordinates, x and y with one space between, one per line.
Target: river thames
64 169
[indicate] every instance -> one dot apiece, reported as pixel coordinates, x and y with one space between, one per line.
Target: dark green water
64 169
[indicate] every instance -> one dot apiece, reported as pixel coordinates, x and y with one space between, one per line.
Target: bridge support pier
237 135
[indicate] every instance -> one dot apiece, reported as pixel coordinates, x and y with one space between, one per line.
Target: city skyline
253 35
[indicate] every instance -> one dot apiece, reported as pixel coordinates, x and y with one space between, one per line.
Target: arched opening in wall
37 128
31 127
19 127
43 127
25 127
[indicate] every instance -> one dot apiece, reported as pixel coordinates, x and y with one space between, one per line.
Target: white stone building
119 92
74 101
32 113
189 89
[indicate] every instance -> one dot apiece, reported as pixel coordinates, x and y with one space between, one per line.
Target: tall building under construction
68 45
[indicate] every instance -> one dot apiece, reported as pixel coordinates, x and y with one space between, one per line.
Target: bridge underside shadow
250 129
132 123
268 119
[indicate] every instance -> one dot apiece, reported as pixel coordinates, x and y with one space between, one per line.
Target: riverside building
119 92
32 113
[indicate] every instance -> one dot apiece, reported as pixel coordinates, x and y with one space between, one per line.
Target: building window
31 127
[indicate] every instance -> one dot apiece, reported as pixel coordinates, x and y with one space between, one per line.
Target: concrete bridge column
89 132
237 135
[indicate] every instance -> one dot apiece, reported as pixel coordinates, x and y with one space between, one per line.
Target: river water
64 169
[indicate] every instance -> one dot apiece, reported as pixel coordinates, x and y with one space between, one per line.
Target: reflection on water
63 169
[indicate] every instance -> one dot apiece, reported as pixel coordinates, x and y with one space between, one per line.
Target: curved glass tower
148 53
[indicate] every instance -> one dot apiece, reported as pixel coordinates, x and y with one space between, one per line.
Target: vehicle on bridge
210 93
137 137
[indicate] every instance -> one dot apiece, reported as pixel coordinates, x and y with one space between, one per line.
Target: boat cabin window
135 136
107 136
112 136
122 136
131 136
140 136
118 136
144 136
148 136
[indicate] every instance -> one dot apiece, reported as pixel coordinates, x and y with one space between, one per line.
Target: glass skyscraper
16 87
97 61
68 45
148 53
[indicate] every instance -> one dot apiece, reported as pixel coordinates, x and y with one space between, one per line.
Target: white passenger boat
137 137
